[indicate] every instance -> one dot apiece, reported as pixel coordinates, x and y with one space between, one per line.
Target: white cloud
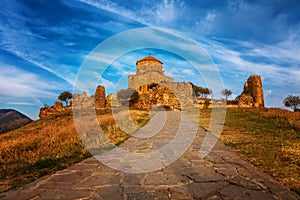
163 12
21 103
205 25
112 7
233 60
17 83
158 14
22 43
33 61
188 72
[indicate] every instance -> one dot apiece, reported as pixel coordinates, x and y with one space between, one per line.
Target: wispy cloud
162 13
28 58
159 13
112 7
20 103
24 84
234 60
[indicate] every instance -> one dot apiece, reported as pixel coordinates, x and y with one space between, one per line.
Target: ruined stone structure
157 95
156 88
82 101
100 97
53 110
252 95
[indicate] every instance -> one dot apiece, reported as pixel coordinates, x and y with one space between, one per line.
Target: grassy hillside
50 144
267 138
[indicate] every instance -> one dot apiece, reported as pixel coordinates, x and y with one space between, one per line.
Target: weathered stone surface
58 105
252 95
110 192
83 101
112 101
100 97
22 194
160 179
175 96
245 101
132 179
101 179
148 196
55 109
237 192
199 190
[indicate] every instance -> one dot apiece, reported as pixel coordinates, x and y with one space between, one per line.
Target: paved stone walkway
220 175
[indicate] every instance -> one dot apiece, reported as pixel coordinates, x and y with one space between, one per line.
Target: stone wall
136 81
53 110
176 96
83 101
184 92
79 101
252 95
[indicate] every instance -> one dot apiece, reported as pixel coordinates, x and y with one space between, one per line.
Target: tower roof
149 58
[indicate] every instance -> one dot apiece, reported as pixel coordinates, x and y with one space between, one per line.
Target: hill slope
50 144
11 119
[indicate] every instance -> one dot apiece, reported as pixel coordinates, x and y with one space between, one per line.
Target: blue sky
43 43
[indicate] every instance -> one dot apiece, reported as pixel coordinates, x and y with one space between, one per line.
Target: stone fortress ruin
156 89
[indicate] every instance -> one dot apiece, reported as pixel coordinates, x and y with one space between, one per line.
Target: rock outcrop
252 95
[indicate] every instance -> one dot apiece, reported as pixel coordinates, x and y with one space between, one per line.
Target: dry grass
50 144
37 149
267 138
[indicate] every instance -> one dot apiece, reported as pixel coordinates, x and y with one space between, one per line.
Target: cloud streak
158 14
24 84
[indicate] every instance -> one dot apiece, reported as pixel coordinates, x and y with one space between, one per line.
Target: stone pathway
220 175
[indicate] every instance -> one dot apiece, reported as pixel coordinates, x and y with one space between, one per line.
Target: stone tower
148 70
